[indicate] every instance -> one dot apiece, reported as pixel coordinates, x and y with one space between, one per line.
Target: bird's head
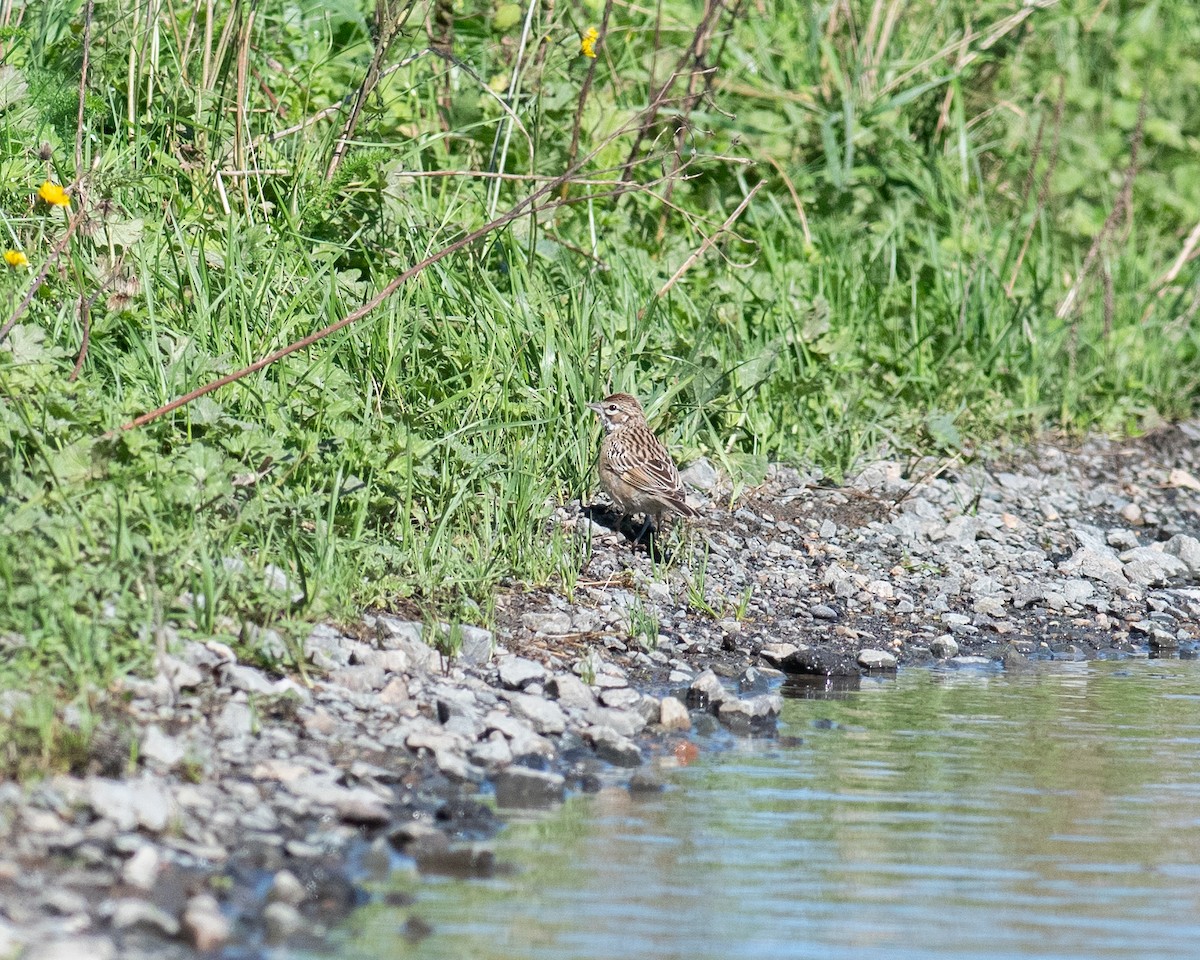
617 410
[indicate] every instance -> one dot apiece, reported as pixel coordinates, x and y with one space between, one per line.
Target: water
1052 813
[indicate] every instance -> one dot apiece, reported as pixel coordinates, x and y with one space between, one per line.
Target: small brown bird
635 467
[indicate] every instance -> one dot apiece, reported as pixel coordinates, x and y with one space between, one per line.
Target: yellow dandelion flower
54 195
15 259
587 43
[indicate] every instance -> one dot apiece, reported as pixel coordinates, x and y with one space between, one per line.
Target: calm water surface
956 814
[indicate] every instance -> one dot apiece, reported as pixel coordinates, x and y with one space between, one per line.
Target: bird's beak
594 406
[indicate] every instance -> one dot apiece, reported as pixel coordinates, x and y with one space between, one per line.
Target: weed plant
977 218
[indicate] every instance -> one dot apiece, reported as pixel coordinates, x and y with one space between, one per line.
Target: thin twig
336 106
85 318
1189 248
1119 214
83 76
517 211
708 242
388 24
682 67
504 131
586 87
787 182
1044 191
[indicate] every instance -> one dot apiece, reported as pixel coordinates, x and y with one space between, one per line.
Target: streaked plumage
635 467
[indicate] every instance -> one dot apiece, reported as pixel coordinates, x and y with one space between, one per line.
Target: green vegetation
950 243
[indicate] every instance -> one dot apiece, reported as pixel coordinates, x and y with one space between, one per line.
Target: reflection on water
960 814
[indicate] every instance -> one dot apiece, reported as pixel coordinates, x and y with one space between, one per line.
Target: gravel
275 783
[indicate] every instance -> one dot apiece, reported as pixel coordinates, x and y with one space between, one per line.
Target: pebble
517 672
553 622
132 913
282 921
73 948
545 716
528 789
207 929
674 715
286 888
141 870
613 747
944 647
707 691
876 660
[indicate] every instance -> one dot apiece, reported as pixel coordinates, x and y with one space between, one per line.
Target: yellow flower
587 43
15 259
54 195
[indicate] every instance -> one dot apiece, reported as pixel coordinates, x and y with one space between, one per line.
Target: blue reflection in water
1050 813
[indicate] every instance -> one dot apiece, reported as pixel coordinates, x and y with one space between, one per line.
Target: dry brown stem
708 242
1121 212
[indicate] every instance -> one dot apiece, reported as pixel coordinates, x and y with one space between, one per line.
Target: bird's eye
612 408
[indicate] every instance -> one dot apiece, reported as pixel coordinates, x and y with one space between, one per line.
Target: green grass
898 279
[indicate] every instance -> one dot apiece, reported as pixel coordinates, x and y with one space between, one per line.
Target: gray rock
744 715
1186 549
989 606
492 753
707 691
72 948
570 691
1162 639
545 716
776 654
673 715
276 579
549 622
458 860
141 870
645 782
359 678
476 644
64 902
282 921
204 927
1096 563
822 611
658 592
362 807
235 720
517 673
1148 566
1027 593
944 647
700 474
240 677
327 648
876 660
132 913
10 941
1122 539
620 698
1076 592
613 747
160 749
409 637
528 789
628 723
180 674
130 803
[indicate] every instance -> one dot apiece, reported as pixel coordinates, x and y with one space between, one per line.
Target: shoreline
251 789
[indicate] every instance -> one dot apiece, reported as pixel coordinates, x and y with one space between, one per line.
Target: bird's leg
645 528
